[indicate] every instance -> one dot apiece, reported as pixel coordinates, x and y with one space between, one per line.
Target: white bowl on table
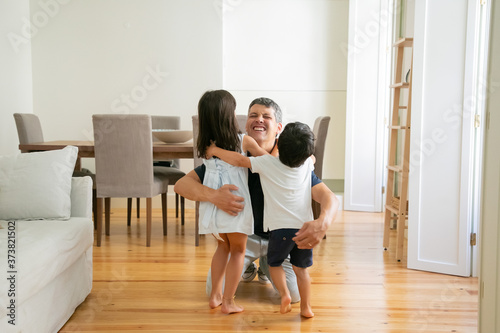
173 136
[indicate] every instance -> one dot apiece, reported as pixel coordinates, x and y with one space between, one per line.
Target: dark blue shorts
281 245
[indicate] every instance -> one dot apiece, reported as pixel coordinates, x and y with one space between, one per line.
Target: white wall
15 69
294 53
123 56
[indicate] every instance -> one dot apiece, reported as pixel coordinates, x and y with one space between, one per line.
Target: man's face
261 124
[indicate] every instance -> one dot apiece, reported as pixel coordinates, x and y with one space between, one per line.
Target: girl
217 123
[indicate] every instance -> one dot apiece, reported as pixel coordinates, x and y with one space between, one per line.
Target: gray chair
320 130
170 168
29 130
242 120
124 165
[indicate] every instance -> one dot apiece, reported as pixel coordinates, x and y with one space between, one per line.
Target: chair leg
182 210
107 213
94 207
138 207
129 211
149 213
164 212
196 225
177 205
98 217
316 208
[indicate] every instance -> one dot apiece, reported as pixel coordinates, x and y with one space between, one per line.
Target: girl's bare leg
218 269
237 245
304 284
279 279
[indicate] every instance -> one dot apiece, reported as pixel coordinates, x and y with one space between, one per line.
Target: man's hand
310 234
190 187
225 200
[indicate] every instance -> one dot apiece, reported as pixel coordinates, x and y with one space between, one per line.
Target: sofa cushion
43 250
37 185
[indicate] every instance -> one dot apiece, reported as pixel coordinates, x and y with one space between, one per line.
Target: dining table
161 150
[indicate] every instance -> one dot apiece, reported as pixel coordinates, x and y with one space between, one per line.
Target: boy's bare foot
229 306
215 301
286 305
306 312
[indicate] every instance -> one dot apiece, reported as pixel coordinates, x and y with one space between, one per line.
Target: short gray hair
267 102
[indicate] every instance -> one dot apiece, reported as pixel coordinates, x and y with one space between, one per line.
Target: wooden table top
86 148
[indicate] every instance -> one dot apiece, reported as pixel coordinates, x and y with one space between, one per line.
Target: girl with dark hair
217 124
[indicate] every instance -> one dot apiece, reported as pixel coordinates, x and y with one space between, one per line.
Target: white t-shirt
287 192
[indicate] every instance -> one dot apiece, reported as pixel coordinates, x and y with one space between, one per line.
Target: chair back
197 160
29 129
166 122
124 156
320 131
242 122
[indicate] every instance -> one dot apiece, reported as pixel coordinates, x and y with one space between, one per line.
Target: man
264 125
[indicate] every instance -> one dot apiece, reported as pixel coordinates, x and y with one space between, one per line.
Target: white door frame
368 79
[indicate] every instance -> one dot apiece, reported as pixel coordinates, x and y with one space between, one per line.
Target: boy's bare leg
279 279
237 244
304 283
218 269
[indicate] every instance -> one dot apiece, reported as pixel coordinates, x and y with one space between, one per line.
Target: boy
286 183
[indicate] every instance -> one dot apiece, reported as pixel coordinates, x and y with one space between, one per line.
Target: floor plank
356 286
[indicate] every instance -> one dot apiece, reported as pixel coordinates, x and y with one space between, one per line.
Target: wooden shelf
404 42
392 209
400 85
395 168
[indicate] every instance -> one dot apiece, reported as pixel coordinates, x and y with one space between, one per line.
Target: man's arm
190 187
312 232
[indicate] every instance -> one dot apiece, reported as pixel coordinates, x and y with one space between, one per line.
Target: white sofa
51 258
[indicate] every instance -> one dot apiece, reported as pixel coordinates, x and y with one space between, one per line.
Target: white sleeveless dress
213 220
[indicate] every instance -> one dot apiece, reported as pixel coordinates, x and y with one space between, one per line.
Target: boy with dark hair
286 183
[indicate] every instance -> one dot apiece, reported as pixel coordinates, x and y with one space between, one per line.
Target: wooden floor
357 287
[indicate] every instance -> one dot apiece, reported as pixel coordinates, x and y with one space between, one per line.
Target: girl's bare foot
229 306
286 305
215 301
306 311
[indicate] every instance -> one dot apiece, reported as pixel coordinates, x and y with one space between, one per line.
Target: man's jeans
257 249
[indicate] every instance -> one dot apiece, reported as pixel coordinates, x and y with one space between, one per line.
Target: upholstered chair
124 165
320 130
169 168
29 129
